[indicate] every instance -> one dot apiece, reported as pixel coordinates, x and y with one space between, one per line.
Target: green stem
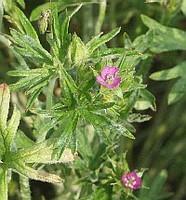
87 22
112 20
24 188
3 184
101 17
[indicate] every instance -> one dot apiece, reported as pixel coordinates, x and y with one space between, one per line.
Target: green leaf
178 89
31 173
121 130
175 72
146 100
45 21
100 106
69 80
93 44
28 73
36 13
65 36
156 187
127 41
33 96
67 137
112 53
22 140
165 38
137 117
29 47
100 193
183 7
4 105
60 5
43 152
84 147
55 25
12 128
143 42
28 82
77 52
1 15
29 30
99 123
21 3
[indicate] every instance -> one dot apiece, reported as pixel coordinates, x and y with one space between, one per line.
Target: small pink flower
131 181
109 77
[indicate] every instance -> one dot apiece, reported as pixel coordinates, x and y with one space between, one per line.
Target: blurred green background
160 143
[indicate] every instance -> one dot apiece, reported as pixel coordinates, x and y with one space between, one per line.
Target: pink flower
131 181
109 77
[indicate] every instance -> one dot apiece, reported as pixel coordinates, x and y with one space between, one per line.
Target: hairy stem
101 17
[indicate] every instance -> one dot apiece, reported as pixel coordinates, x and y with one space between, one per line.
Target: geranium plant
74 102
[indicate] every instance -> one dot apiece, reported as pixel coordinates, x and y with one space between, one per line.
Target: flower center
110 79
131 182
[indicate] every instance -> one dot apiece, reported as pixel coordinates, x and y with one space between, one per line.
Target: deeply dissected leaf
99 123
17 160
43 152
29 30
33 81
93 44
29 47
66 133
65 36
31 173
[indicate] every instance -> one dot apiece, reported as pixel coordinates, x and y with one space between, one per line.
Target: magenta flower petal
109 77
100 80
116 82
108 70
131 181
